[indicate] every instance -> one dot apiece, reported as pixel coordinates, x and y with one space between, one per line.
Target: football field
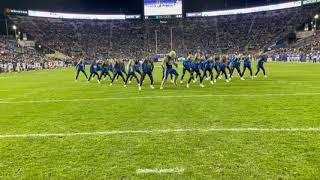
266 128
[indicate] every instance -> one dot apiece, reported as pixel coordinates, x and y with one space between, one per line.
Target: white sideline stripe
160 131
159 171
7 77
158 97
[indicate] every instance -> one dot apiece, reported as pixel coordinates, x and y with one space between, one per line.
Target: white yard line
7 77
161 131
159 171
6 99
156 97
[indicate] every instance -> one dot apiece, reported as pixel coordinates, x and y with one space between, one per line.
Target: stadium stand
255 31
98 39
14 57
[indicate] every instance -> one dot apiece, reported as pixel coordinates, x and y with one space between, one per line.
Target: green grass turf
203 155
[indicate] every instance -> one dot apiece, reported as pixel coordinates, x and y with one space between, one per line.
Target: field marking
7 77
7 99
155 97
44 88
160 131
159 171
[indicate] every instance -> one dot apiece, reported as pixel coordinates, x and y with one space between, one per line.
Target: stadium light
14 27
75 16
248 10
316 16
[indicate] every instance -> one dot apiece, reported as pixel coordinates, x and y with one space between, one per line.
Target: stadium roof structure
131 6
247 10
123 16
48 14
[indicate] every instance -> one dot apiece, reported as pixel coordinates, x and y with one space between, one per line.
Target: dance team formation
198 66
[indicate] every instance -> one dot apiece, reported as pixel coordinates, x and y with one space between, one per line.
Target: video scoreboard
162 9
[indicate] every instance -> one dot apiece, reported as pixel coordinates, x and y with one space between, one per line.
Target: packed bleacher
305 50
100 40
15 58
125 37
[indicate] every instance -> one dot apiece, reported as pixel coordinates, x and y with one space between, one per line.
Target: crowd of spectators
100 40
304 50
309 44
15 58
